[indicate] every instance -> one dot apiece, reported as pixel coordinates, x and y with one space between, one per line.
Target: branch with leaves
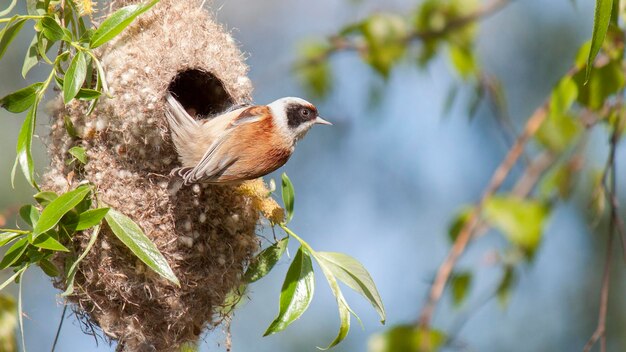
299 284
616 227
52 223
588 95
382 40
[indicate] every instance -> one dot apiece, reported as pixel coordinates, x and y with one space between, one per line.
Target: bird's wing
214 163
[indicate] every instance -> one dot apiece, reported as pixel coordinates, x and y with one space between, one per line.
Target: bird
243 143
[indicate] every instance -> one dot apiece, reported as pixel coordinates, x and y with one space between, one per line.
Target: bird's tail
182 126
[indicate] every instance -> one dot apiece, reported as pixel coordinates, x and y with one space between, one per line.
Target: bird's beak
321 121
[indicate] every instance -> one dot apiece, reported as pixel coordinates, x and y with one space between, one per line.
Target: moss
207 233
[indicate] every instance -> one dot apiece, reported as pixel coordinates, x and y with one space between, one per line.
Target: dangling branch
615 225
445 270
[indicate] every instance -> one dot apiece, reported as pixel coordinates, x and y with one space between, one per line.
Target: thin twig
56 337
614 222
522 188
62 16
340 43
533 173
120 346
491 85
443 274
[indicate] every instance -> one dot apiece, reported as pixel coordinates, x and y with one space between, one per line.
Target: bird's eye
305 112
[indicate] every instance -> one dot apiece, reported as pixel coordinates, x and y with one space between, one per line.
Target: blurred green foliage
589 94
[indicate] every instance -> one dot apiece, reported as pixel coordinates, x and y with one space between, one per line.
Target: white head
295 116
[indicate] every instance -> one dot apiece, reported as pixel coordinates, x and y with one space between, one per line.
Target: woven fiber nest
206 233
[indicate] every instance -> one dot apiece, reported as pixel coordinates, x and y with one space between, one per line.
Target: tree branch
473 223
615 223
443 274
340 43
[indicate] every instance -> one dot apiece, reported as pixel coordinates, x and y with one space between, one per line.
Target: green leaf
559 180
351 272
37 7
189 347
405 338
6 237
9 32
24 144
21 100
29 214
457 224
133 237
89 219
560 129
48 268
20 311
601 20
288 196
460 284
12 278
563 96
52 30
504 288
265 261
8 322
386 36
34 255
117 22
85 38
69 127
88 94
46 241
84 205
32 57
101 83
74 77
520 220
463 60
14 253
73 268
314 69
317 78
44 198
602 83
43 46
296 293
79 153
52 213
342 305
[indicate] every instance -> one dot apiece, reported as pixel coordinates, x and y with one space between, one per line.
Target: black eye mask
296 115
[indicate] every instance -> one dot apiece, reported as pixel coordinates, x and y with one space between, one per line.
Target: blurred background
384 183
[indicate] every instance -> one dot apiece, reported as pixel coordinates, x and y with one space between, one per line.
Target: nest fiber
206 233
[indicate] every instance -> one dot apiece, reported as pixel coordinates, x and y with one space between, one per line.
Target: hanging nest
206 233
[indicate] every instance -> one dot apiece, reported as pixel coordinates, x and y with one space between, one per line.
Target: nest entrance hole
200 93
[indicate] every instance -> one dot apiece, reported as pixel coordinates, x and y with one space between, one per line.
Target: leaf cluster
384 40
75 70
299 285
